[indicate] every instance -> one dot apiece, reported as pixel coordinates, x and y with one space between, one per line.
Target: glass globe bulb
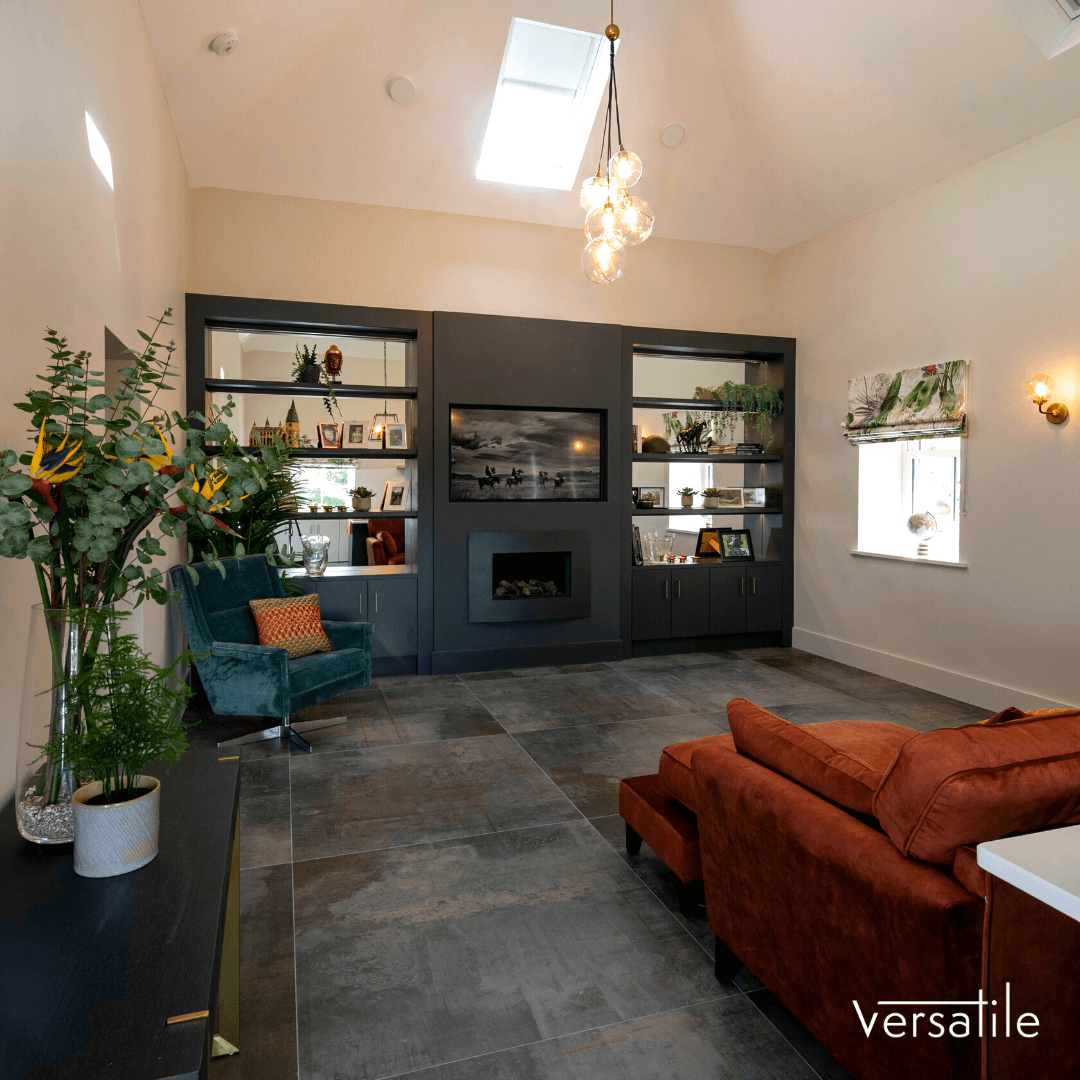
1039 388
603 223
601 262
634 220
594 192
625 168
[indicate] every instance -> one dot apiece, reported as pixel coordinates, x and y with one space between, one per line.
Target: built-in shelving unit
689 404
712 459
701 511
254 386
336 455
353 515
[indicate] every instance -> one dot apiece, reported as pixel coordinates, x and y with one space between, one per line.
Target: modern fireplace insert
529 574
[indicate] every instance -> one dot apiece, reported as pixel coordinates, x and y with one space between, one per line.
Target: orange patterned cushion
292 623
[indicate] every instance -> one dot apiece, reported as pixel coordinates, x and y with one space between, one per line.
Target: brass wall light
1039 389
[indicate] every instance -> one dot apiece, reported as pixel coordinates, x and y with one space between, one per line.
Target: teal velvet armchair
242 677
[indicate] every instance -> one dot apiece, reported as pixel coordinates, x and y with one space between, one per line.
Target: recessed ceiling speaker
672 135
225 42
401 90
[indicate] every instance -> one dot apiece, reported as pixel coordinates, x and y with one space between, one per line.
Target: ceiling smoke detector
672 135
225 42
401 90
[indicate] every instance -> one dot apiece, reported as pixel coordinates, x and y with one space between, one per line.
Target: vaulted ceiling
800 115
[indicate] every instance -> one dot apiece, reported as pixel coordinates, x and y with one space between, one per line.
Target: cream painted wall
77 256
983 265
246 244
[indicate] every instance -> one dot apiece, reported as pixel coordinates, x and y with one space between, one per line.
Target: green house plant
307 369
361 497
131 716
711 498
109 473
687 495
757 404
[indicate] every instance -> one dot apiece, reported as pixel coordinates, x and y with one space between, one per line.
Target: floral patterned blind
917 403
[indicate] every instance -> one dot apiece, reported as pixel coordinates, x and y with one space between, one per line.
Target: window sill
908 559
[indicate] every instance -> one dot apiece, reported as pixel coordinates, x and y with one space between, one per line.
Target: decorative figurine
292 426
332 362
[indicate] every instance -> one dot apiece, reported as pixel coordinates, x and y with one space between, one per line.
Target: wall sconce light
1039 389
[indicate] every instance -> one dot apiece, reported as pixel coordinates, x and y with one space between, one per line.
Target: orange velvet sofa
838 863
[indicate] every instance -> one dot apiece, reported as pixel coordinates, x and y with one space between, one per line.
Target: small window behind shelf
899 479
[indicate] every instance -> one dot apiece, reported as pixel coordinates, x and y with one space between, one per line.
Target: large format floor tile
588 762
545 701
387 797
418 956
727 1039
265 827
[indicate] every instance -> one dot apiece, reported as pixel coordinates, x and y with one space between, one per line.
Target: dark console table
93 970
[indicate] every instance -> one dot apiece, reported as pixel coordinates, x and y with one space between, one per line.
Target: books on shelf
738 449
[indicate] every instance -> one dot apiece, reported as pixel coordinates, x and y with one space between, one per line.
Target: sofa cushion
842 760
981 782
675 772
310 673
292 623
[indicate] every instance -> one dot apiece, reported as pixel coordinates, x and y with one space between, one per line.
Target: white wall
77 256
983 265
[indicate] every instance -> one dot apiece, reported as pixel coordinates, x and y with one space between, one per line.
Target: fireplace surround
561 557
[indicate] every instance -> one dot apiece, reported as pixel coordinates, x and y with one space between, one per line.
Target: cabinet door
727 599
343 599
392 611
689 601
651 604
764 583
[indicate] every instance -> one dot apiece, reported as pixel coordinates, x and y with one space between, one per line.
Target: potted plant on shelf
102 471
687 496
131 710
757 404
306 369
361 498
711 498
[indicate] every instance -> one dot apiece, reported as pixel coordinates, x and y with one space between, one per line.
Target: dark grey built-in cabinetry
387 602
690 600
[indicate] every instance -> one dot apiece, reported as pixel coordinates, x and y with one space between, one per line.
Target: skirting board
989 695
450 662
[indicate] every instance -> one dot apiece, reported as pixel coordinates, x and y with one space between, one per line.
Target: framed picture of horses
519 454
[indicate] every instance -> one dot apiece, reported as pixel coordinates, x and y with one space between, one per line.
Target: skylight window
99 149
550 85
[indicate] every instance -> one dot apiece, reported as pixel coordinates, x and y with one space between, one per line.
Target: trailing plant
307 356
758 405
131 710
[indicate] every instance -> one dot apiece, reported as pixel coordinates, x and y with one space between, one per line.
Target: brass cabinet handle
742 586
667 590
360 602
376 612
753 585
678 589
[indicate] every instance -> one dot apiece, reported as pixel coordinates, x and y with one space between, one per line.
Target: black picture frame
636 555
515 453
737 545
703 551
642 504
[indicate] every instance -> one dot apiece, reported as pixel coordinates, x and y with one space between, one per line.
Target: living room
853 191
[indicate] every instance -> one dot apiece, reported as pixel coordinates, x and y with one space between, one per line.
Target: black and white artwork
501 454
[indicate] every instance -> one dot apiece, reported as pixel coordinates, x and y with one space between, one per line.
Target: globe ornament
922 527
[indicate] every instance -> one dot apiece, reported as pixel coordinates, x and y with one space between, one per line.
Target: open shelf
337 570
690 404
352 515
713 459
315 452
252 386
701 511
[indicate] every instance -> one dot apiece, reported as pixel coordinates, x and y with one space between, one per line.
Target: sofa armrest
348 635
246 680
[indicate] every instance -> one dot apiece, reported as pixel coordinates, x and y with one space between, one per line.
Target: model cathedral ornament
263 434
614 220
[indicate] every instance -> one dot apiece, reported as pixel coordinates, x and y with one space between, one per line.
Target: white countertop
1045 865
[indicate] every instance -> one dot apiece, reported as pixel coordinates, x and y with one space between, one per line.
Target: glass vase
58 648
316 554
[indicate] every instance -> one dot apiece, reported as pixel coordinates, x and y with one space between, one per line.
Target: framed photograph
650 497
395 437
737 546
636 451
708 544
730 497
502 454
633 496
638 559
354 435
753 496
395 495
330 436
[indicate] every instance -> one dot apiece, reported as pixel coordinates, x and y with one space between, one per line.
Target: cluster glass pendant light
614 220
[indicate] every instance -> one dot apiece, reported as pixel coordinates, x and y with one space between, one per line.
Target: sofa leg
691 896
726 964
633 841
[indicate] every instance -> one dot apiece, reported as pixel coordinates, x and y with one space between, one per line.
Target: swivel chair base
289 733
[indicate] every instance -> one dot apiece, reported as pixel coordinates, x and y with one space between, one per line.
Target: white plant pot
119 837
712 503
361 504
688 500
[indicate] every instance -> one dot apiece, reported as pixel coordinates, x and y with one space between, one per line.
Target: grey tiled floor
441 889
